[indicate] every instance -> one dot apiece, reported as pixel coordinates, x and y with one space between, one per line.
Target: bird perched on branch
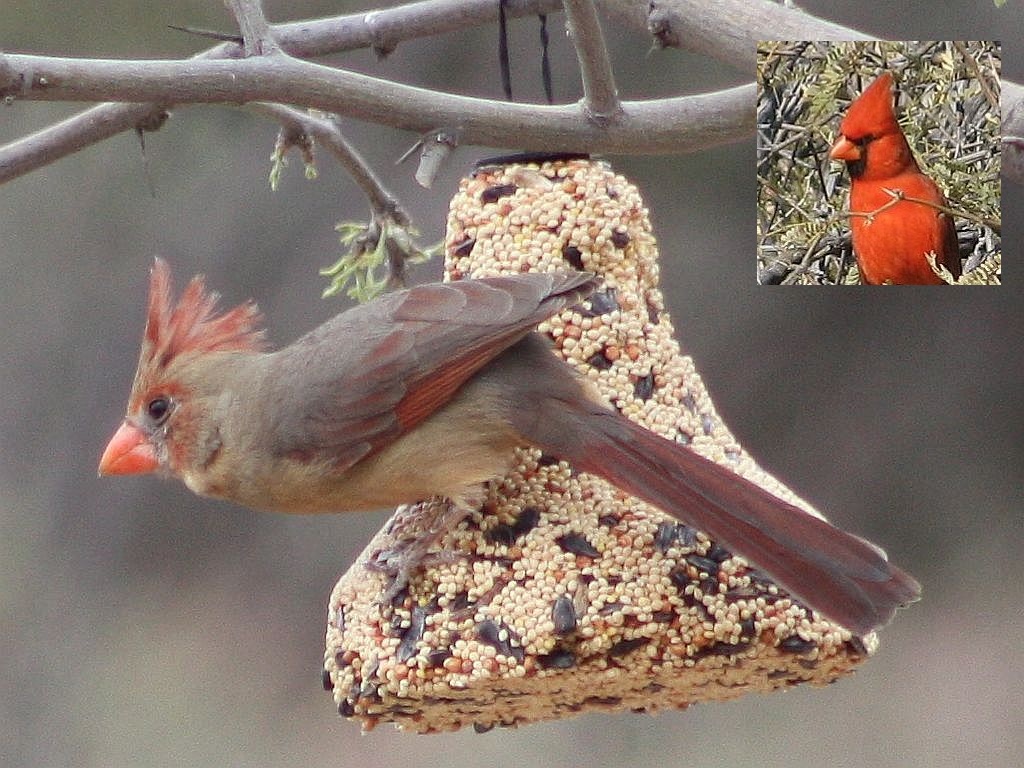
426 392
894 218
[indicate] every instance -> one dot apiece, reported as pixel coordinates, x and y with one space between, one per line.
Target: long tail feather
842 576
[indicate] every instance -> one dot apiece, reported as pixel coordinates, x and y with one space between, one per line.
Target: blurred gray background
143 626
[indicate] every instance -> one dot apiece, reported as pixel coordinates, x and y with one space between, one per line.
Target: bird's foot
416 530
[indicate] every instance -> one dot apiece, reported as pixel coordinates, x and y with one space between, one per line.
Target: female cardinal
890 244
425 393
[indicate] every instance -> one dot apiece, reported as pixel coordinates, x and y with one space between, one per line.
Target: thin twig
329 136
256 34
805 263
599 92
209 34
990 95
898 196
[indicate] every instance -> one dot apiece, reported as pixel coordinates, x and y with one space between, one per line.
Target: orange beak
844 149
129 452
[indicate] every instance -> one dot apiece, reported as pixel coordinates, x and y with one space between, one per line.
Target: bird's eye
158 409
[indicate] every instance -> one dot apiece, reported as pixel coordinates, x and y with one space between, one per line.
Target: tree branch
329 136
726 30
729 30
303 129
381 30
68 136
1012 100
256 34
670 125
599 92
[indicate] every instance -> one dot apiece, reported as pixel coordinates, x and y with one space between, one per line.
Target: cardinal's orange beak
844 149
129 452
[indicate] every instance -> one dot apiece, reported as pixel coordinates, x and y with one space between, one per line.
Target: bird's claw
411 549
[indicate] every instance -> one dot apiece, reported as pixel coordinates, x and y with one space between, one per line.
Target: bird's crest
871 113
193 325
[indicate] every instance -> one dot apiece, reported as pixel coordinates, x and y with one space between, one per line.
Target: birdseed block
561 595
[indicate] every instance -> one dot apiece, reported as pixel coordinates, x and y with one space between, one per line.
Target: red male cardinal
891 245
425 392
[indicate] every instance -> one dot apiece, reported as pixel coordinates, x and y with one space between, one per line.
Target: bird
891 236
424 393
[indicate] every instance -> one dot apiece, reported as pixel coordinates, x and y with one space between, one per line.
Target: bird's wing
373 373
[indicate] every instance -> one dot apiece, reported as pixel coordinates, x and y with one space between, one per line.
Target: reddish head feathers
193 324
871 114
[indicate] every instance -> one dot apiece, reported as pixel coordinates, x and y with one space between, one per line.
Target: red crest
193 325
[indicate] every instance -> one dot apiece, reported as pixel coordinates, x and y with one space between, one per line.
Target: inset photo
878 163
